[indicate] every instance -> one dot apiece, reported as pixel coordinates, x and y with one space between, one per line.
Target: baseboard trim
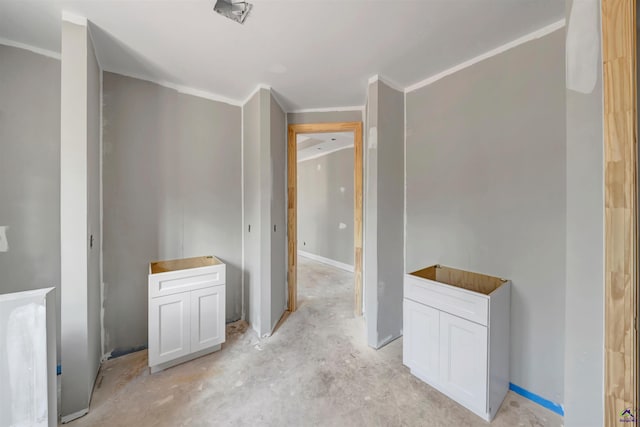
68 418
331 262
545 403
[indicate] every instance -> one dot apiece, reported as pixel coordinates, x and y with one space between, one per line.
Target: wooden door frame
292 204
619 57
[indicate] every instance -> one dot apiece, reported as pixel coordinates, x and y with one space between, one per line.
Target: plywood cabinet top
470 281
183 264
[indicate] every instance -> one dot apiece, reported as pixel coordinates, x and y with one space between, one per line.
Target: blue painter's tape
59 369
552 406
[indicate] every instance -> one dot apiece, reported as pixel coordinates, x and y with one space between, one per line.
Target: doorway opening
292 204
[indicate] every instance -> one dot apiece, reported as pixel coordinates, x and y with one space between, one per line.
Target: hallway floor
316 370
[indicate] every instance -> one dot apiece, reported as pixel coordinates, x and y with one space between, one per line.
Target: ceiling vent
236 10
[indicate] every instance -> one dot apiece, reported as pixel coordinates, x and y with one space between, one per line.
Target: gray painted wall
390 147
264 201
324 117
79 218
584 314
172 189
325 200
485 174
384 214
251 167
266 185
94 131
278 143
30 172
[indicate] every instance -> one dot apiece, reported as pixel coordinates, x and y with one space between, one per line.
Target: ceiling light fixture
236 10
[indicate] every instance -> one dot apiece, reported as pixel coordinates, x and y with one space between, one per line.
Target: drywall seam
493 52
328 261
242 307
404 166
34 49
391 84
324 153
4 244
328 109
582 43
101 248
73 18
286 213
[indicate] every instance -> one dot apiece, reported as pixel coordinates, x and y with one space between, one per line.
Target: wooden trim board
292 204
620 204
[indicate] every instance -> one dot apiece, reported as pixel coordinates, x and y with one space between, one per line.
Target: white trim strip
328 110
500 49
324 153
243 309
182 89
331 262
34 49
404 187
73 18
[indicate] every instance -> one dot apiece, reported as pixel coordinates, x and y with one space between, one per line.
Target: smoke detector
236 10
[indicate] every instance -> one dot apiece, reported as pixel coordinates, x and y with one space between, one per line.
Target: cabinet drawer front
461 303
160 285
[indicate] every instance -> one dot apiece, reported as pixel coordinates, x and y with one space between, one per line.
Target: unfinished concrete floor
316 370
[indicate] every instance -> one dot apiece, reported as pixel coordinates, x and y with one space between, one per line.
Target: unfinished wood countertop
183 264
462 279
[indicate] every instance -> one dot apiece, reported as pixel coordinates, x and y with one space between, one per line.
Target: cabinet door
463 360
207 317
169 328
421 340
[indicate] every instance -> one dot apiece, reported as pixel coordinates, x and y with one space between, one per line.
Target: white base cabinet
456 335
28 387
186 310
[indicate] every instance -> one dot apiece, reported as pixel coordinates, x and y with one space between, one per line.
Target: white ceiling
314 145
313 53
